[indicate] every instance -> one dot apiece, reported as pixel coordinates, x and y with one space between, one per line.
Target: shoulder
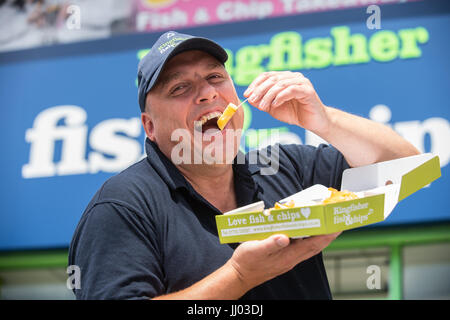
294 151
294 156
297 153
122 209
305 164
133 187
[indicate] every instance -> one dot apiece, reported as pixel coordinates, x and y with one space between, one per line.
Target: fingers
290 92
262 249
264 90
255 83
303 249
316 244
273 76
270 92
258 261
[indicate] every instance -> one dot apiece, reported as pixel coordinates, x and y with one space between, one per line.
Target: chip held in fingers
227 115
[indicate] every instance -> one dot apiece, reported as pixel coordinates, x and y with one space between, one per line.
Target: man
150 232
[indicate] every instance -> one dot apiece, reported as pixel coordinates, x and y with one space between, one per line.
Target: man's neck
215 184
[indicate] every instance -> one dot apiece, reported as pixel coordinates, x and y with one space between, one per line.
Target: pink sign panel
154 15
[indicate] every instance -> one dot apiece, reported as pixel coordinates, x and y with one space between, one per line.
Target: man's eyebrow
173 76
213 65
169 78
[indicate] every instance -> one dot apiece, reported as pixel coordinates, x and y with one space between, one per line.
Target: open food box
378 188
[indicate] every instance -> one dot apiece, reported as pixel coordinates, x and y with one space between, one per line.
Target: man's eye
178 89
215 77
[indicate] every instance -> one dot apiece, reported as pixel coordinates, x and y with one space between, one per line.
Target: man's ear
147 123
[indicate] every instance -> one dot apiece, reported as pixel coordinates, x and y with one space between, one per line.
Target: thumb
275 243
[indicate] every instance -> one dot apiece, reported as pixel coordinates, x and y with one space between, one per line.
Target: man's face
193 88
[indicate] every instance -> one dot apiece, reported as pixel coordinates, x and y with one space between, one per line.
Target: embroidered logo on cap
171 43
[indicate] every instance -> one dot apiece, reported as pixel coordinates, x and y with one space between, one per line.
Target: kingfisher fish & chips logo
354 213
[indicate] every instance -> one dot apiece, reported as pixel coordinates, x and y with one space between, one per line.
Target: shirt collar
243 172
244 185
164 167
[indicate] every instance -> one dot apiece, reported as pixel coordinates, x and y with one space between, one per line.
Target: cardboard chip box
379 187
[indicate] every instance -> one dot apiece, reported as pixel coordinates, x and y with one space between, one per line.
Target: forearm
222 284
363 141
253 263
291 98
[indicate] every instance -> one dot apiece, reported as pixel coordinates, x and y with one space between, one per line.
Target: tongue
210 124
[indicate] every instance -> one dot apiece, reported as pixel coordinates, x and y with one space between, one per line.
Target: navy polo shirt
147 232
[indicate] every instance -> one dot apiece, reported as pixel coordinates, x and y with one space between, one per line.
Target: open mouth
208 121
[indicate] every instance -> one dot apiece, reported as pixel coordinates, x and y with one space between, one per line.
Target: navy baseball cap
167 46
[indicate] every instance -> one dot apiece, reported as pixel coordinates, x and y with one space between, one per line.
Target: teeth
198 124
210 116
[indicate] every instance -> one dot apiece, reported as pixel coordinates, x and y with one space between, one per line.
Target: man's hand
253 263
256 262
289 97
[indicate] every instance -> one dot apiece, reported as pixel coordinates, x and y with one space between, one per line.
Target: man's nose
206 92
